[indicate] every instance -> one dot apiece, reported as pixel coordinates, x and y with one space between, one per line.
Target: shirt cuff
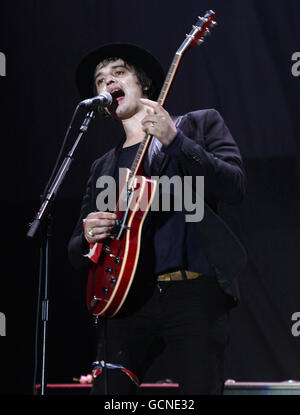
174 148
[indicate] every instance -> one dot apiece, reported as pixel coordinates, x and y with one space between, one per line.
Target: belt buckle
192 275
175 276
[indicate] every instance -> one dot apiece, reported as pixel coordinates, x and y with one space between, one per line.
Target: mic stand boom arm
54 187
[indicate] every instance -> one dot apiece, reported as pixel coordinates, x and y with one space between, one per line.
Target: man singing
185 281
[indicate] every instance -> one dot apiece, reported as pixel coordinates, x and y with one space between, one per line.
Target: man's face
121 82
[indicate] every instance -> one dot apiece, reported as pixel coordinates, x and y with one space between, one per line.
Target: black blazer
207 149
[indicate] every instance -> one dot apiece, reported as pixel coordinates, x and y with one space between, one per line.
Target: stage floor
289 387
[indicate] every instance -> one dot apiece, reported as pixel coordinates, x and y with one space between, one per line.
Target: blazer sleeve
205 147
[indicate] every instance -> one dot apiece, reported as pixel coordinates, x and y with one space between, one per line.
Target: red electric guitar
110 279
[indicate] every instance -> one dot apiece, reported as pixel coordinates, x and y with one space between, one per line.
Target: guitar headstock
199 31
196 37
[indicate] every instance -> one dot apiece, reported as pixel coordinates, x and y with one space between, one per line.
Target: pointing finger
153 104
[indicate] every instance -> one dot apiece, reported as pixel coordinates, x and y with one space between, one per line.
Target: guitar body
110 279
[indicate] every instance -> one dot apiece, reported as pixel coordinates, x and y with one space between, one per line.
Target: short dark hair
146 83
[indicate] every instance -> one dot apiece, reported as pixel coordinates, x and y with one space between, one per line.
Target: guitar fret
169 77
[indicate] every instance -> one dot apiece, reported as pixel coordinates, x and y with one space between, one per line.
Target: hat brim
130 53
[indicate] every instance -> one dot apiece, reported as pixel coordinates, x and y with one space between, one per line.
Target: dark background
244 71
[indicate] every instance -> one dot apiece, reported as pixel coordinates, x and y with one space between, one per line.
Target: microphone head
107 98
101 100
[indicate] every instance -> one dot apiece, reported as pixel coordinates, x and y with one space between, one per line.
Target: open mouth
117 95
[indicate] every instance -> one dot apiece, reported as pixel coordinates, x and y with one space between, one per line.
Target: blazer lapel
159 161
109 165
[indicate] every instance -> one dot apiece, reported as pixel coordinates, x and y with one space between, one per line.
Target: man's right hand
97 226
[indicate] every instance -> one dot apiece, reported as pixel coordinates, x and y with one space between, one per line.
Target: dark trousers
187 320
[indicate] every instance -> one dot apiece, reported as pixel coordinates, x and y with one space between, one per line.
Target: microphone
102 100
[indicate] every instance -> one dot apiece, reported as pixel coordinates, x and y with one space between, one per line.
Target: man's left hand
158 122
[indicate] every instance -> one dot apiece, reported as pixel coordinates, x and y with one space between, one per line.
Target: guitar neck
186 44
196 36
169 79
136 165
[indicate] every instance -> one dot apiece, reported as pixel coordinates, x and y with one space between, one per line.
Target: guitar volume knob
113 280
107 249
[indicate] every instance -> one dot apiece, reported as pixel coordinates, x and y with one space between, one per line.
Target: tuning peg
200 41
202 19
213 24
207 32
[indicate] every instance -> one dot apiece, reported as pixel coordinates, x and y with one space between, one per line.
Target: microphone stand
43 215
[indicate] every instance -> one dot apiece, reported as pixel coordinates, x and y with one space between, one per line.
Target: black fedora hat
131 53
